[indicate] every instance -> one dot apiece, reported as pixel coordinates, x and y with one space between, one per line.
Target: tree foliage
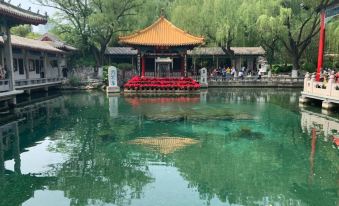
24 31
287 29
92 24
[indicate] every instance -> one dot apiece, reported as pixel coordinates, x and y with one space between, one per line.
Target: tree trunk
296 63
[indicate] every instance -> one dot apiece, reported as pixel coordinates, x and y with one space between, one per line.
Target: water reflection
15 187
325 126
92 171
243 147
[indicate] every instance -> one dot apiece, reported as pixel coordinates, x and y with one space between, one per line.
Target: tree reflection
15 187
99 167
270 170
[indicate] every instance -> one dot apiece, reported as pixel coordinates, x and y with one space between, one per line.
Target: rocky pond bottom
221 147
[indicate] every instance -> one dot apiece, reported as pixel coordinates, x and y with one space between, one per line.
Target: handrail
255 79
26 82
4 85
328 89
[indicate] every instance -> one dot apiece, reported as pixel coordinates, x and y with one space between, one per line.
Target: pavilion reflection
136 100
17 132
16 188
324 125
264 95
91 164
9 140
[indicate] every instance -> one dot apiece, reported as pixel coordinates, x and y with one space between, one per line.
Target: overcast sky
25 4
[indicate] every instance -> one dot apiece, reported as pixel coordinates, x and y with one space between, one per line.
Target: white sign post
203 78
113 80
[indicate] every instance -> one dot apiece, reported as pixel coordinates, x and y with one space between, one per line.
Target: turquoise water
221 147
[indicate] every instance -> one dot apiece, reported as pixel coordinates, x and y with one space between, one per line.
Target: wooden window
15 64
31 65
21 66
54 63
41 65
37 66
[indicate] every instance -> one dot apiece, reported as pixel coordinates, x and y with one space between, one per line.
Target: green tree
300 25
93 22
22 30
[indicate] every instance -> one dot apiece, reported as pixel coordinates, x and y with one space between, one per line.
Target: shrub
121 67
74 81
105 74
309 67
281 68
124 66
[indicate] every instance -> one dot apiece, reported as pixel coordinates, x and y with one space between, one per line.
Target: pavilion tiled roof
161 33
17 15
25 43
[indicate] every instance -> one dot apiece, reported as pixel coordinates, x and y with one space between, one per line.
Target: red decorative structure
161 84
321 46
336 141
327 13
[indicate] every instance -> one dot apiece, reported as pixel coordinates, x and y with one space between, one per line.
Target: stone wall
254 82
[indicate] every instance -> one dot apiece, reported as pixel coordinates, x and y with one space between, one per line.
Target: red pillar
321 45
142 66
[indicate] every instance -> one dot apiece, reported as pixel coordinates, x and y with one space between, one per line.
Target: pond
221 147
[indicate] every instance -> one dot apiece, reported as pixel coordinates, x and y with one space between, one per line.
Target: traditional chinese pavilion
13 16
162 50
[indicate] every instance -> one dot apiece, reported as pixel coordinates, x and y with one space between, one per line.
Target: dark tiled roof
218 51
25 43
17 15
121 51
207 51
56 42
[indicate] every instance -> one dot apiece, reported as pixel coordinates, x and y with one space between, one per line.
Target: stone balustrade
39 81
4 85
328 92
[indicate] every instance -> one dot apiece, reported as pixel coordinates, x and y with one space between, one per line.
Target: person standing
241 74
337 77
228 72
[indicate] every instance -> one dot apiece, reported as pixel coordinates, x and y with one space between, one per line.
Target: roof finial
162 12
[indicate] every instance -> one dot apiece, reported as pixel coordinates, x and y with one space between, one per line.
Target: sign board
113 80
203 77
112 76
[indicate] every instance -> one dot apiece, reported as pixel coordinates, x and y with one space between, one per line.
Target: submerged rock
198 115
247 133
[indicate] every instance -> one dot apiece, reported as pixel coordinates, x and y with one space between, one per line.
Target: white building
35 64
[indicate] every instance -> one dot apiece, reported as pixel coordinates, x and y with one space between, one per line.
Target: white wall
17 75
49 70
